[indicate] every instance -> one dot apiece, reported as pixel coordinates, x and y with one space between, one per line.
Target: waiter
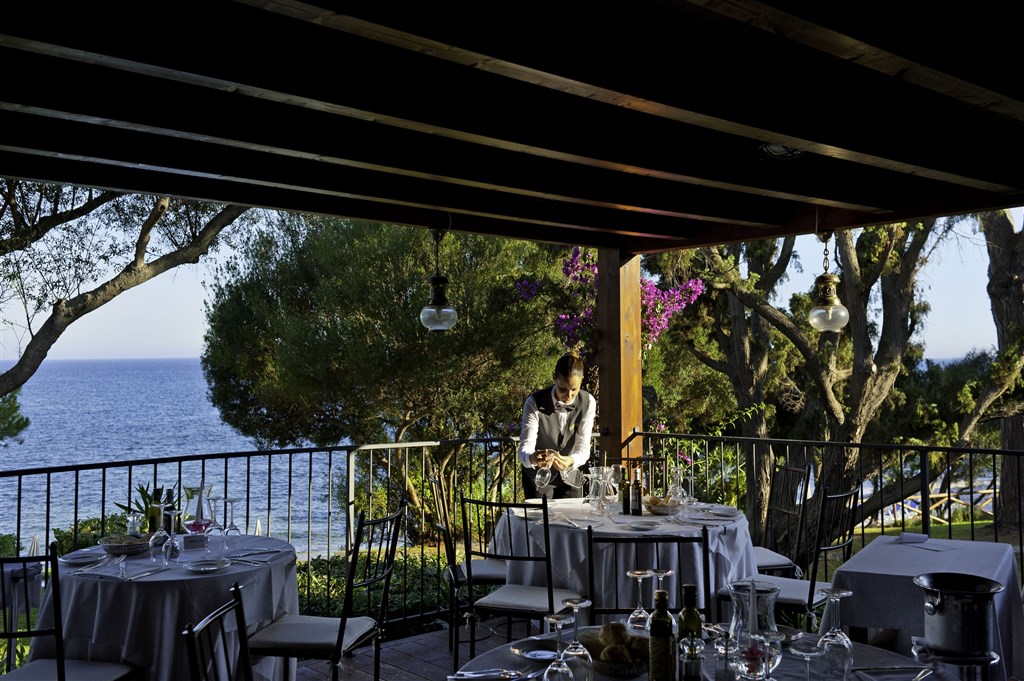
556 429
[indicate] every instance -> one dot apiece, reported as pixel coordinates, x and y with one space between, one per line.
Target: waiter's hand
542 457
562 463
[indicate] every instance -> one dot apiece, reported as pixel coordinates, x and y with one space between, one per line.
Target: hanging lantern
828 313
437 314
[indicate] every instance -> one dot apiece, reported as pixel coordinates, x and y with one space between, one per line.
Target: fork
109 560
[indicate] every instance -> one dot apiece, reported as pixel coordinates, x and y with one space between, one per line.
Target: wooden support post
619 345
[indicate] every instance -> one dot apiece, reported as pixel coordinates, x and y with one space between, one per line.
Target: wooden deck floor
409 659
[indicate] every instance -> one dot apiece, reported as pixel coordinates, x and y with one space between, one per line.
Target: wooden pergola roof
636 125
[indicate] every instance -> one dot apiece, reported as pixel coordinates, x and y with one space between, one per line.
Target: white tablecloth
885 597
140 622
731 550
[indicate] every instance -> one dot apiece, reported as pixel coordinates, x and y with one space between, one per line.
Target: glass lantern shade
828 314
438 315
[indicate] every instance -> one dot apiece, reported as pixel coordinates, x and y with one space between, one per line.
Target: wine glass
836 647
215 532
806 649
638 618
559 670
542 478
158 539
576 654
172 547
232 533
613 479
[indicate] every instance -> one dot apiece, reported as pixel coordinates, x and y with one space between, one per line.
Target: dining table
730 546
885 597
870 663
138 618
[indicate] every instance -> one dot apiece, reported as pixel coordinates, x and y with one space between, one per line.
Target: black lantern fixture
828 313
438 315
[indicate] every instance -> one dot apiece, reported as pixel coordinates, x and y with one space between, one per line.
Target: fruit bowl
124 544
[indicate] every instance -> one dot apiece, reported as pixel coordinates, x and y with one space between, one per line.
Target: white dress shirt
528 432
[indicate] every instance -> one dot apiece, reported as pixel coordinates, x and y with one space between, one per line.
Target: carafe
753 635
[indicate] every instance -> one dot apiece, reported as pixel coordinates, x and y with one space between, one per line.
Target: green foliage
314 335
8 546
88 532
143 499
12 422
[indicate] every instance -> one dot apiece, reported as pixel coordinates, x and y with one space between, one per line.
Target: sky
165 317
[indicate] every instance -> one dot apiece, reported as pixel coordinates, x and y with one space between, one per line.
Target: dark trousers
557 489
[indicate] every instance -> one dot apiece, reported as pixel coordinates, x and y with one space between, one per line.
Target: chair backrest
787 511
443 523
211 643
618 554
21 619
501 530
833 533
370 567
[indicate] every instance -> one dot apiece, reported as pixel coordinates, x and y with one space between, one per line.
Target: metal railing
310 496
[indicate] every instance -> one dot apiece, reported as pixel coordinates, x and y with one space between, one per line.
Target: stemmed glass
638 618
172 547
806 649
836 647
576 654
559 670
215 530
232 532
542 478
613 479
159 538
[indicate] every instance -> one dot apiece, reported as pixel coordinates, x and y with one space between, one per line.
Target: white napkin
912 538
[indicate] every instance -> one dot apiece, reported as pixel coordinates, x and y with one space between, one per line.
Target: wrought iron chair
370 566
802 597
778 551
498 530
19 620
643 552
211 644
489 572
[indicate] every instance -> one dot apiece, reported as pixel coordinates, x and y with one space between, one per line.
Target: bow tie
559 406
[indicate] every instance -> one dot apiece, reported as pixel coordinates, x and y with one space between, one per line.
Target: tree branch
66 312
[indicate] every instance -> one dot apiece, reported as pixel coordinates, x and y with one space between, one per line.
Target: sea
94 411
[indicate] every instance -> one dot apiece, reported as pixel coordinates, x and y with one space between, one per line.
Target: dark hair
568 365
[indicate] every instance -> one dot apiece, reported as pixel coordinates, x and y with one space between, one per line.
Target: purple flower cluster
659 305
578 325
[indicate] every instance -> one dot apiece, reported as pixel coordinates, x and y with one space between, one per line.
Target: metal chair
498 530
643 552
778 552
801 597
20 620
487 571
370 566
211 644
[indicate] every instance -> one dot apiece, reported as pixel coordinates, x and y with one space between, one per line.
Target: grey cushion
309 633
525 598
770 560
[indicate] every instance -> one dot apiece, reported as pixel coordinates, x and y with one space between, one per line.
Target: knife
147 573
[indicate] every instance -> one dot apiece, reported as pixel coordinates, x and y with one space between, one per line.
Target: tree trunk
1005 247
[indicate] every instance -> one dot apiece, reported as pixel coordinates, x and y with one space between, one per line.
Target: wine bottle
624 493
691 643
636 494
661 641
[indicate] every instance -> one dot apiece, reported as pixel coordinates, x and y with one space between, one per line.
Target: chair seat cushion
517 597
78 670
795 591
309 634
768 560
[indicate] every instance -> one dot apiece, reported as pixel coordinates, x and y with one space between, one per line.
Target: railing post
926 486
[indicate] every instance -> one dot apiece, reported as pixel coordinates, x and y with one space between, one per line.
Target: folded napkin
912 538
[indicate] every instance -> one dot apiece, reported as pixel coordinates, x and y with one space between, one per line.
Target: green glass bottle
691 637
661 641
